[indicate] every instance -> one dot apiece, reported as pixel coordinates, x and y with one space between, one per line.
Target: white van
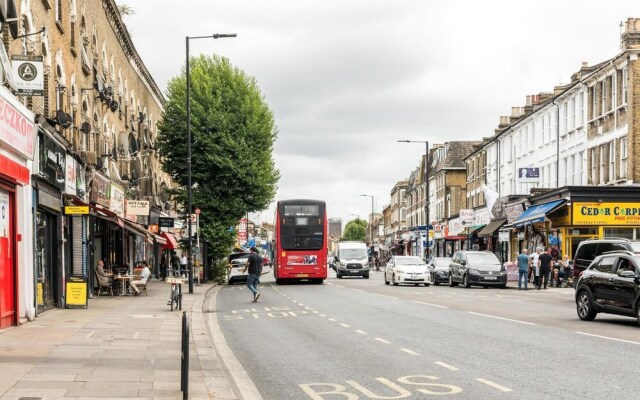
352 259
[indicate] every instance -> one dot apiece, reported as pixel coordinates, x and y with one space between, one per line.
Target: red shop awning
172 243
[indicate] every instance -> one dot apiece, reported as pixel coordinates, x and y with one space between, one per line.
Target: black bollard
184 365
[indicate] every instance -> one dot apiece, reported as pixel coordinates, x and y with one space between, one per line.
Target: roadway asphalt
359 339
117 348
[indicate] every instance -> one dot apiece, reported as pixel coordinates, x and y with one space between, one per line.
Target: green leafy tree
233 133
355 230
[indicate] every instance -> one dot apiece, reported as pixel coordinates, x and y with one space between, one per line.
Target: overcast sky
346 79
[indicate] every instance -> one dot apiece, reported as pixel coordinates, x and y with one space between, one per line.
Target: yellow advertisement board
616 214
76 291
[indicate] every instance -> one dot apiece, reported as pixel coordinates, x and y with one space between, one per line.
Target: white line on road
332 320
322 315
409 351
494 385
386 295
445 365
308 308
382 340
607 337
361 332
502 318
429 304
357 290
315 311
345 325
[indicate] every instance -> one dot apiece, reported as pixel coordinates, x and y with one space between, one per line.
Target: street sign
165 222
193 218
76 210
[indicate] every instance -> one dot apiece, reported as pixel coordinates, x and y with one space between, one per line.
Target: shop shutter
76 237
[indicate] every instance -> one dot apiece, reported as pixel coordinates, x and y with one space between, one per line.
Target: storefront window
626 233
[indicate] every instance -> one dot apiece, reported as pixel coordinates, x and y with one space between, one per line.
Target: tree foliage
355 230
233 133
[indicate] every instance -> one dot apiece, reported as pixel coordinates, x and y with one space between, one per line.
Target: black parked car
439 269
589 249
610 285
480 268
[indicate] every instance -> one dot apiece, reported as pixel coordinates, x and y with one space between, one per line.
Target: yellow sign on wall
606 214
76 210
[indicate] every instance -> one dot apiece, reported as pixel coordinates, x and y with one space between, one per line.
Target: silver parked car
407 269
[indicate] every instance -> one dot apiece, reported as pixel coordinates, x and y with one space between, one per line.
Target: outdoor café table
124 279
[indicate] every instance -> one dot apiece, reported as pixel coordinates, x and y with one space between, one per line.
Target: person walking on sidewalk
535 271
523 268
254 264
544 262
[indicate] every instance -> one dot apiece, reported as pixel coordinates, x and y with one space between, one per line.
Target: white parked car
407 269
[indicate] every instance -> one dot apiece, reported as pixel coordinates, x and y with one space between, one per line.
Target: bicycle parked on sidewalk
175 278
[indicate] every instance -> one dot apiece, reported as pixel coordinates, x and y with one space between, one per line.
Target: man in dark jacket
544 262
254 264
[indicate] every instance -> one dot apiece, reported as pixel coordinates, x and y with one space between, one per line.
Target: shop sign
513 212
28 72
529 175
100 190
70 181
137 207
117 200
481 217
165 222
76 291
466 217
81 185
52 160
455 227
153 228
503 236
76 210
17 126
606 213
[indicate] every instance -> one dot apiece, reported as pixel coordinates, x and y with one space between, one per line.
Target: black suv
589 249
480 268
610 285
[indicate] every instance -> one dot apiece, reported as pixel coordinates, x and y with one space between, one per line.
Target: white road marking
315 312
345 325
308 308
386 295
382 340
429 304
445 365
361 332
494 385
357 290
322 315
410 351
607 337
332 320
502 318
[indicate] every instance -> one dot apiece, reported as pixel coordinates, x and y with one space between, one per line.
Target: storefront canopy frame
492 227
537 213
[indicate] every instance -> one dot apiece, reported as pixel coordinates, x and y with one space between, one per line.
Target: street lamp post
188 73
371 221
426 196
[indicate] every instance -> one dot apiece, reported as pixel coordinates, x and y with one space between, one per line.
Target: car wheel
386 282
426 285
279 281
339 275
503 286
451 282
638 311
365 276
230 282
393 279
584 306
465 282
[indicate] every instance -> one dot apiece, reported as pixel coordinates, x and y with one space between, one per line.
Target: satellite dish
85 128
123 142
167 206
113 105
133 144
9 13
63 119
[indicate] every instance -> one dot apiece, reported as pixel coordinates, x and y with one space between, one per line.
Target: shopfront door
573 237
46 260
7 259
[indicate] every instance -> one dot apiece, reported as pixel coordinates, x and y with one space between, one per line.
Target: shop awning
135 228
159 239
537 213
172 243
492 227
108 215
474 229
456 237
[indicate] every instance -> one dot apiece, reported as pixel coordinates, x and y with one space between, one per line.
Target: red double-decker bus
301 241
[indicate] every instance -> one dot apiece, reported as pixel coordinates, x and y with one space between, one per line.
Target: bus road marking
382 340
361 332
445 365
494 385
345 325
429 304
409 351
502 318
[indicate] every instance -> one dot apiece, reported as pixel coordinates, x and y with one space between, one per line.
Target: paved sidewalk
119 347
